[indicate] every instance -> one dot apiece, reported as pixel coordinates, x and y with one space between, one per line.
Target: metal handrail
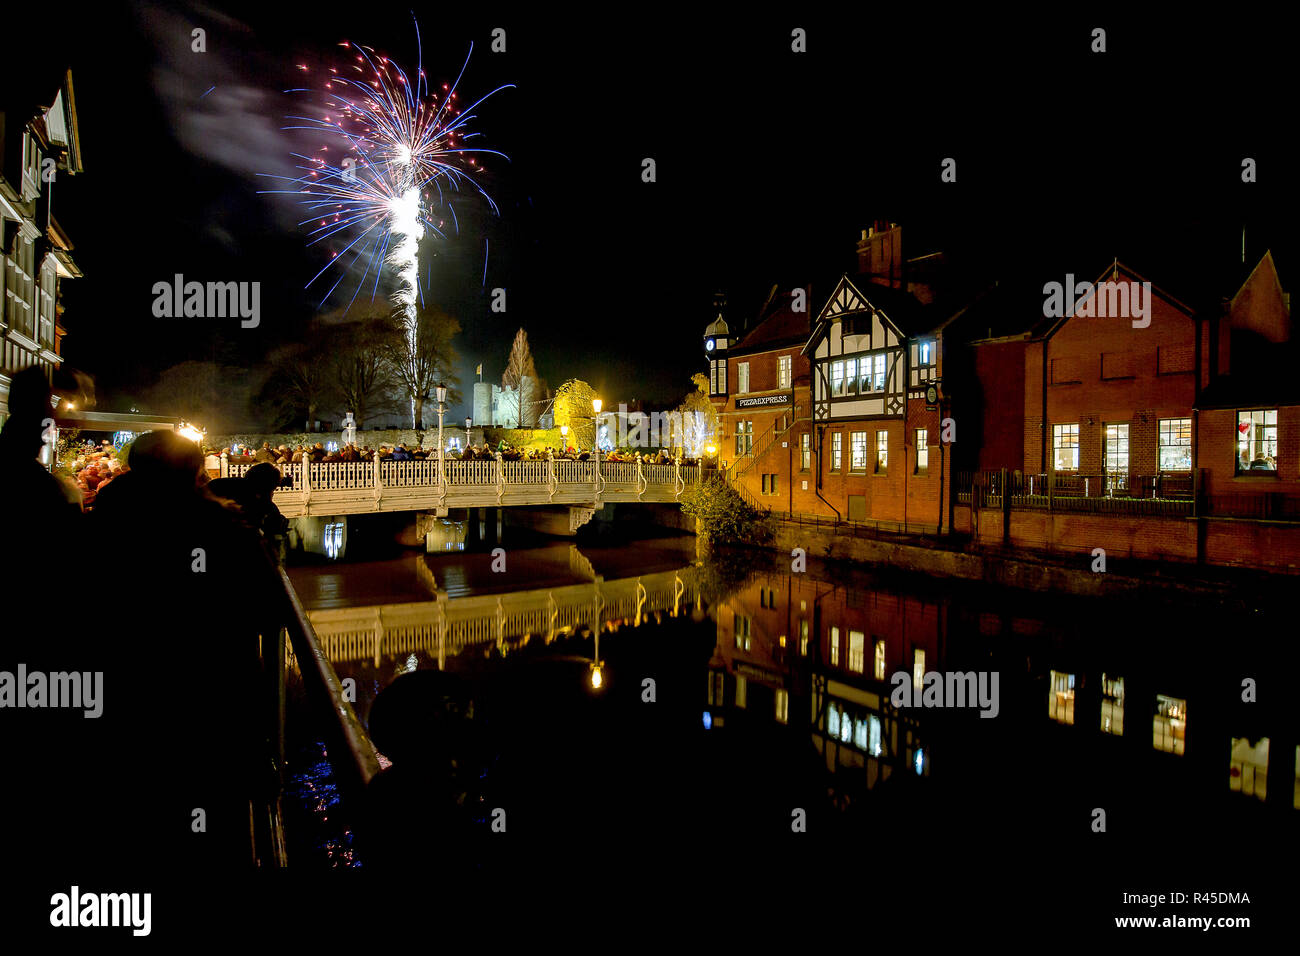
325 691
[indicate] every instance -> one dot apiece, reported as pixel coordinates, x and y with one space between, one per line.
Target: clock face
708 345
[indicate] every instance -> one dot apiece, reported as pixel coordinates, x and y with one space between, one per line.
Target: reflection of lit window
874 746
835 647
919 762
782 706
1296 800
857 651
1248 767
860 733
833 719
742 633
333 539
846 727
1169 728
803 637
742 689
1060 698
880 658
1112 705
918 668
715 689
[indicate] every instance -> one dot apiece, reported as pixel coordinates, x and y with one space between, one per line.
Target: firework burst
393 154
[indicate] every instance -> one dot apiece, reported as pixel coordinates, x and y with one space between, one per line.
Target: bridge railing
358 475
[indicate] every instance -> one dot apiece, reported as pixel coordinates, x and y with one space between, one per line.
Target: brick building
877 351
760 386
1169 431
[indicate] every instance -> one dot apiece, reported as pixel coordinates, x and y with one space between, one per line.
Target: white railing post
551 483
379 485
641 482
600 478
501 477
306 481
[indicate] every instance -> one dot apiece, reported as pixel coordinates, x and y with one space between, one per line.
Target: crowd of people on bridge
285 455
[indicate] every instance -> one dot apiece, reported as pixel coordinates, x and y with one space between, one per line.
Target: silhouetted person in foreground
189 588
41 522
254 494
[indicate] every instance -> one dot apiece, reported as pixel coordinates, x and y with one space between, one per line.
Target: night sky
769 164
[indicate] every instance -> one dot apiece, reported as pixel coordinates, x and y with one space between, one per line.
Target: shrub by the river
724 517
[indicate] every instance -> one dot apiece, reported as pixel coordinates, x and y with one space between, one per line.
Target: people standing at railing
178 679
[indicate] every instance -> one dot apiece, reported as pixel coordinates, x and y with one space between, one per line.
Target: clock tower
715 349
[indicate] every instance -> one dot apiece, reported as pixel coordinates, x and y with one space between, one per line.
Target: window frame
1248 471
882 452
853 452
1058 447
922 450
1161 445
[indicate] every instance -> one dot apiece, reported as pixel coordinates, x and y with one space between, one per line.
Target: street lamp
564 433
468 423
441 392
595 424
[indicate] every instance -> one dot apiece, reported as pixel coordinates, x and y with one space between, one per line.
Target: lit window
744 438
1175 444
1248 767
850 376
1169 728
880 659
1117 449
878 373
783 372
742 374
837 448
918 669
837 378
1065 447
805 451
1257 440
858 451
835 647
1060 697
922 449
1112 705
882 450
857 651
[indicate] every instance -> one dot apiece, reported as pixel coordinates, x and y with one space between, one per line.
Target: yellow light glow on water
596 679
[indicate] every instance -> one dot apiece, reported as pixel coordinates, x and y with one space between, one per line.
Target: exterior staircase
765 442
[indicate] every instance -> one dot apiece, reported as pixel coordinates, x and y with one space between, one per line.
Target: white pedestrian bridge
341 488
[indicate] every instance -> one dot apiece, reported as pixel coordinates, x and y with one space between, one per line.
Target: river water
742 706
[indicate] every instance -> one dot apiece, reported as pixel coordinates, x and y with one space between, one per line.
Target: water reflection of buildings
807 653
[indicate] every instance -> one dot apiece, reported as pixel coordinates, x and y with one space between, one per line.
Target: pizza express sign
764 401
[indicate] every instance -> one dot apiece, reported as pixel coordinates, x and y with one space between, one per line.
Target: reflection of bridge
449 625
356 487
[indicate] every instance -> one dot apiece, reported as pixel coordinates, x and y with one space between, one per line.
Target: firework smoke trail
401 151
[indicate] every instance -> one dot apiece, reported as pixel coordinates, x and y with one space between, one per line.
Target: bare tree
521 375
423 361
360 365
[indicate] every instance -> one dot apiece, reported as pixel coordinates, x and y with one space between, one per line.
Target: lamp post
468 423
442 408
564 433
595 424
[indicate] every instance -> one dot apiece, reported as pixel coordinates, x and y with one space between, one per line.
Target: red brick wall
1119 380
1000 368
1217 455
